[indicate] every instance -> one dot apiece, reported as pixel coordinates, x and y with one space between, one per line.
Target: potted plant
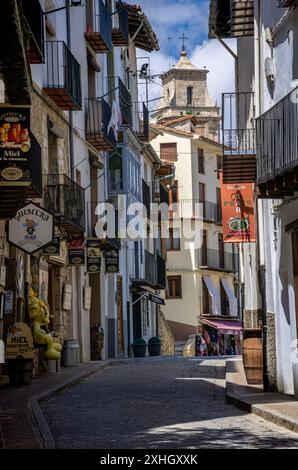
139 347
154 346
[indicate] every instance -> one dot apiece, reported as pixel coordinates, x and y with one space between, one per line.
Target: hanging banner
15 145
112 261
53 249
31 228
238 217
76 252
93 256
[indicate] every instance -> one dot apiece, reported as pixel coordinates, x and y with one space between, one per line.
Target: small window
189 95
168 152
174 287
201 161
173 242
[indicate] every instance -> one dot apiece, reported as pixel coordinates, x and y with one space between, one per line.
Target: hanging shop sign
53 249
155 299
31 229
19 342
93 256
112 261
238 217
76 252
15 145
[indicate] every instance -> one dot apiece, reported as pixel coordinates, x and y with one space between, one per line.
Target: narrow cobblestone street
166 404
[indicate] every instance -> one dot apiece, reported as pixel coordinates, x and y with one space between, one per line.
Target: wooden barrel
253 356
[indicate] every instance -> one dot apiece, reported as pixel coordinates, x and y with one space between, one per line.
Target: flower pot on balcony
154 346
139 347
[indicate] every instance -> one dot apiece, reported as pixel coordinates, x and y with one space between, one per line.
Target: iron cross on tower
184 38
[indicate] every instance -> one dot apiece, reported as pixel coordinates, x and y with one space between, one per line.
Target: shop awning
224 327
215 295
231 296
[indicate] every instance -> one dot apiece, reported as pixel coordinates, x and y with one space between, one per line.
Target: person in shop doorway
233 346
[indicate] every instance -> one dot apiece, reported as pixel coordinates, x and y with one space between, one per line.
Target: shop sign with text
31 228
112 261
238 217
15 145
93 256
76 252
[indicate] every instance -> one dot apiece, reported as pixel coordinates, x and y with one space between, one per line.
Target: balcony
95 212
142 118
118 91
98 115
239 140
13 193
120 33
277 149
99 28
34 18
62 76
146 197
195 209
231 18
66 199
216 260
161 272
154 272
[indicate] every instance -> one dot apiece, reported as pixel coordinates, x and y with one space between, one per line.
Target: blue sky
172 18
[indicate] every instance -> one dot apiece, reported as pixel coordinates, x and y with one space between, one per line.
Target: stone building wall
165 334
271 352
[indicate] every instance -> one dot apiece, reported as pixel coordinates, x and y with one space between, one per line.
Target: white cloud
221 66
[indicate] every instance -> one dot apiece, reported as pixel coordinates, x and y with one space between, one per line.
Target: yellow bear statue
39 312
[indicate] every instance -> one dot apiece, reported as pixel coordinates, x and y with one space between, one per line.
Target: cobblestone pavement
172 404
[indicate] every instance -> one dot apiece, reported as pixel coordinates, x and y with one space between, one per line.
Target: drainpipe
261 263
70 127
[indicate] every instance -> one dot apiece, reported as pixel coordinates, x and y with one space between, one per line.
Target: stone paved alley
168 404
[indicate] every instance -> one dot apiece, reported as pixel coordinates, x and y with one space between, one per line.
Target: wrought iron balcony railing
120 32
142 115
146 197
196 209
99 27
34 18
66 199
62 76
98 115
154 274
217 260
118 91
277 147
161 272
239 141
